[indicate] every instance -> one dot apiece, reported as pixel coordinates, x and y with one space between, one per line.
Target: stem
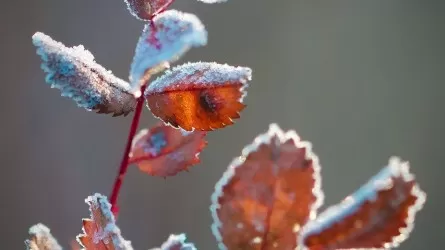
162 9
124 163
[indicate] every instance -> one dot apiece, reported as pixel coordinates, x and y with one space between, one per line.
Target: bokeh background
362 80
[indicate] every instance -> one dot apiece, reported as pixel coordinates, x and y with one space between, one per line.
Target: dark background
362 80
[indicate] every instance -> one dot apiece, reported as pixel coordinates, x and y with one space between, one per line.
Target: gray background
362 80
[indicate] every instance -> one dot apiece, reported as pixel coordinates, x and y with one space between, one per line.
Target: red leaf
201 96
100 231
380 215
146 9
165 151
267 194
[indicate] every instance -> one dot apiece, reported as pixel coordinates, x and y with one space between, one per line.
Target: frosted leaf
380 215
201 95
165 151
100 231
147 9
267 194
176 242
164 40
41 239
75 73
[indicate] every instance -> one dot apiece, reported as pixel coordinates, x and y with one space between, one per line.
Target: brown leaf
100 231
201 96
380 215
267 194
164 151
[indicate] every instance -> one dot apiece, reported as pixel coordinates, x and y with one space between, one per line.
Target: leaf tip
41 239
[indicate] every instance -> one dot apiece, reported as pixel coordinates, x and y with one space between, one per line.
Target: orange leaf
380 215
267 194
164 151
201 96
100 231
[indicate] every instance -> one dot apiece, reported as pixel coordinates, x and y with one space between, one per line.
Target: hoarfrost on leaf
165 151
41 239
176 242
164 39
201 95
100 231
75 73
380 215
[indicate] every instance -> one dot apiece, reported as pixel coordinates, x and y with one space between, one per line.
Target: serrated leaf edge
262 139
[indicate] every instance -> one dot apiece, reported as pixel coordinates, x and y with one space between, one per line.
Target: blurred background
361 80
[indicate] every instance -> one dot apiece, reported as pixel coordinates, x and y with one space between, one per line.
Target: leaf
176 242
147 9
164 40
41 239
100 231
75 73
380 215
165 151
267 194
201 96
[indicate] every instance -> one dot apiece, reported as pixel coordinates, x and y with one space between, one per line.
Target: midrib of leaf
275 155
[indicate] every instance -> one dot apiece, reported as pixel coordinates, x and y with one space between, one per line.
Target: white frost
171 34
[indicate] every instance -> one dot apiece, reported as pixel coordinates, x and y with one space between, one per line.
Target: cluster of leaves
269 196
268 199
194 97
99 232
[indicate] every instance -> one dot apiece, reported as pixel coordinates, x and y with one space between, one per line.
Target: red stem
162 9
124 163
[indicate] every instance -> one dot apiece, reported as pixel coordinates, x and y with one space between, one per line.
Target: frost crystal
75 73
41 239
206 74
176 242
164 40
